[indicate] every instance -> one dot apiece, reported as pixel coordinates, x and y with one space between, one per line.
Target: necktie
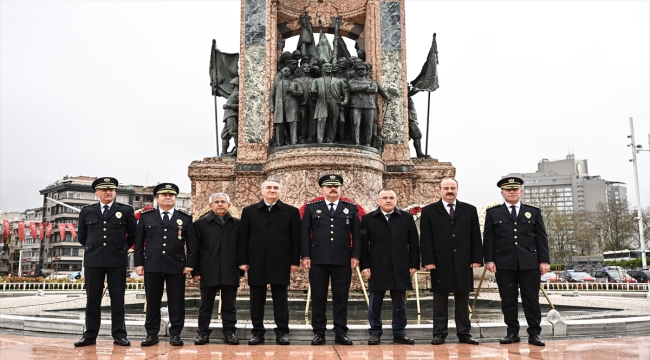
270 206
451 210
332 209
165 218
513 213
105 213
388 217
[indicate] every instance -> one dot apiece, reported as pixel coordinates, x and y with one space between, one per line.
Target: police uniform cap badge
528 215
318 211
118 215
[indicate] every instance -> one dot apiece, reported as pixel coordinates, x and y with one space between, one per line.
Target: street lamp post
639 218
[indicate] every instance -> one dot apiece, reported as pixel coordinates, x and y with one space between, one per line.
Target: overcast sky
104 88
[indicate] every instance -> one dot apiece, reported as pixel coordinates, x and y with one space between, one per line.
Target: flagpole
216 123
426 146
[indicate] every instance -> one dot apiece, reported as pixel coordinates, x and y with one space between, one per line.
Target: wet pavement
26 347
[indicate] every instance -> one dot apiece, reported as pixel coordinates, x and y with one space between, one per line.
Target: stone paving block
12 322
54 326
593 327
493 330
637 324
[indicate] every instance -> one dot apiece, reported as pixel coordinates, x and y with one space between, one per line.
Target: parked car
75 275
549 277
642 276
628 279
611 276
579 277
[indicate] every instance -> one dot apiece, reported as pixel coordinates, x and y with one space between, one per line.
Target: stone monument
378 27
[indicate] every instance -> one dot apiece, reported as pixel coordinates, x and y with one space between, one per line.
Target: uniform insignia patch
107 179
168 186
179 222
527 214
511 181
318 211
118 215
331 177
346 210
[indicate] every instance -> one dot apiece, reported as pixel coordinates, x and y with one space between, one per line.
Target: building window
137 198
180 203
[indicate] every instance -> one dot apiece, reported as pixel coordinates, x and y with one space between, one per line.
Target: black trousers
398 298
319 278
461 314
228 309
116 278
280 295
153 287
528 283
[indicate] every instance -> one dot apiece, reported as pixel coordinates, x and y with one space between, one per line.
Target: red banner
32 230
42 229
62 231
71 228
49 231
5 225
21 230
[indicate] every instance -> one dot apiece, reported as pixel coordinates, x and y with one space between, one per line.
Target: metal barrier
63 286
596 286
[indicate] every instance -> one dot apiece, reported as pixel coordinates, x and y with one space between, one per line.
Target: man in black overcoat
165 250
330 247
515 247
451 248
216 268
389 257
106 231
269 249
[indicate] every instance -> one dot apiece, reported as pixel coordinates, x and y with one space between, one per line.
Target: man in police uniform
107 231
163 236
330 246
515 248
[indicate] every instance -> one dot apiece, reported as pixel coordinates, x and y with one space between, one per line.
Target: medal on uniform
179 222
527 214
118 215
347 221
346 210
180 233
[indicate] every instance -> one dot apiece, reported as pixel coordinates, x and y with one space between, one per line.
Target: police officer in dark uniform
330 246
515 248
165 250
107 231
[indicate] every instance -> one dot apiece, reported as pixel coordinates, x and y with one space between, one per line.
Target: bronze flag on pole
428 78
223 68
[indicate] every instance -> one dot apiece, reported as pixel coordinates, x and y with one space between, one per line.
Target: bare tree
615 224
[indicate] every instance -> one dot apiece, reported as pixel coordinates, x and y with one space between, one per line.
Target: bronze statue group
329 236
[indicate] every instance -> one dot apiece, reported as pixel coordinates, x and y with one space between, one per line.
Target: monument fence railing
595 286
48 286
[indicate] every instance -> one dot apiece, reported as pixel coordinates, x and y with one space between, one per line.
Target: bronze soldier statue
231 120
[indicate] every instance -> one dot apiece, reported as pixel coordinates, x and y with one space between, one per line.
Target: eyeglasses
387 198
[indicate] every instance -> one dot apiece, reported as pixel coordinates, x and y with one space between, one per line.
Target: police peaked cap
165 188
510 183
331 180
105 183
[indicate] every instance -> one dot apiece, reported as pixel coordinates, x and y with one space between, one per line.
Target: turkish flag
32 230
71 228
49 231
62 231
21 230
42 229
5 225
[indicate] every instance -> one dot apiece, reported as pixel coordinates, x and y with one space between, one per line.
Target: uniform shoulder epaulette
89 205
493 207
534 207
315 201
184 212
124 204
348 202
147 210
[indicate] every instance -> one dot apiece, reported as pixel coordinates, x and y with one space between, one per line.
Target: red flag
21 230
49 231
71 228
6 227
42 228
32 229
62 231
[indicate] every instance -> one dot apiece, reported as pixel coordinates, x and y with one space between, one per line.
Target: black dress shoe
374 340
85 342
509 339
201 340
282 340
256 340
175 340
122 342
150 340
342 340
438 339
318 339
403 339
536 340
467 339
230 339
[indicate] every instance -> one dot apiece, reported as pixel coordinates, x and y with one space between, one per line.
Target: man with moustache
330 246
106 231
216 268
389 257
451 248
165 250
515 247
269 249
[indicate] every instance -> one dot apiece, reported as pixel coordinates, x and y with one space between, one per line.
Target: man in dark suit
389 258
269 249
216 268
107 231
451 249
165 250
515 247
330 246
